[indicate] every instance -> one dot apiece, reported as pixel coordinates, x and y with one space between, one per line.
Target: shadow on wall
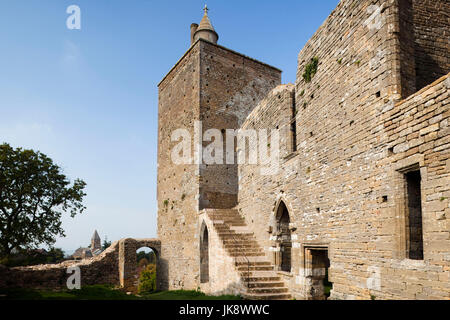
427 69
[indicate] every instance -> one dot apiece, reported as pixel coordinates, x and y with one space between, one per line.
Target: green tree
106 244
147 280
150 256
33 196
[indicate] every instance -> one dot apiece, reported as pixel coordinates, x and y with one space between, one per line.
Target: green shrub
147 280
311 69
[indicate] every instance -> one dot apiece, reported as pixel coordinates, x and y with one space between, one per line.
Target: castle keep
361 201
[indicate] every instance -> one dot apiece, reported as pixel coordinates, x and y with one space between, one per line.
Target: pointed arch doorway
284 261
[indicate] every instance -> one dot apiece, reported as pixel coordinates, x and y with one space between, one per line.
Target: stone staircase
257 273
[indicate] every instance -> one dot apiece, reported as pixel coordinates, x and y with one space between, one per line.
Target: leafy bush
311 69
147 280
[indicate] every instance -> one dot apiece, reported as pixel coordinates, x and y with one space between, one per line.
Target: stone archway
283 238
128 261
145 270
204 254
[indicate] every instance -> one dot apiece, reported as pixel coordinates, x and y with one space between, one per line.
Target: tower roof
205 24
95 236
205 30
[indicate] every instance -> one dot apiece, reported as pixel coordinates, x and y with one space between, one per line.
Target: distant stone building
94 250
361 198
96 243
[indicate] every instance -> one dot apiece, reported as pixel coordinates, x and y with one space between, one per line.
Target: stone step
241 236
244 249
228 223
266 284
250 261
240 244
268 290
244 241
253 263
225 214
237 245
254 268
246 254
235 233
263 273
265 296
259 279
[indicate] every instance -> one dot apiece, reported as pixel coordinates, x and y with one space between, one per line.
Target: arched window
284 237
204 255
146 270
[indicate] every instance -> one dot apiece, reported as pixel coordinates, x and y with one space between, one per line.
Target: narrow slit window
414 228
293 125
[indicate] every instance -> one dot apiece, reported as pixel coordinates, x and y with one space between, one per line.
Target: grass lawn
102 292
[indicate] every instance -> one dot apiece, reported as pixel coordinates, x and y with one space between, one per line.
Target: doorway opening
284 237
204 255
146 270
317 265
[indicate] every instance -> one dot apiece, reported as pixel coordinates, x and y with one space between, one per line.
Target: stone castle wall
178 185
338 185
217 87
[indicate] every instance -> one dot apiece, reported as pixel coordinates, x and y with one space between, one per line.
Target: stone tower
210 87
95 241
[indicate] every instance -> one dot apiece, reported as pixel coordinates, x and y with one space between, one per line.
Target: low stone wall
101 269
115 266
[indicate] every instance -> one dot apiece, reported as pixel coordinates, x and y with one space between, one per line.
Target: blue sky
88 98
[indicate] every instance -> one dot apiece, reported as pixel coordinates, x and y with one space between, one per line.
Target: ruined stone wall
103 269
338 185
115 266
216 86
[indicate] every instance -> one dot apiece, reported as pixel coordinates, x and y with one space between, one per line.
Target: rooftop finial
205 30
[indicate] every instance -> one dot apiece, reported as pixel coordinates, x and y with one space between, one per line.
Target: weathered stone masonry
343 185
358 143
217 86
115 266
362 194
